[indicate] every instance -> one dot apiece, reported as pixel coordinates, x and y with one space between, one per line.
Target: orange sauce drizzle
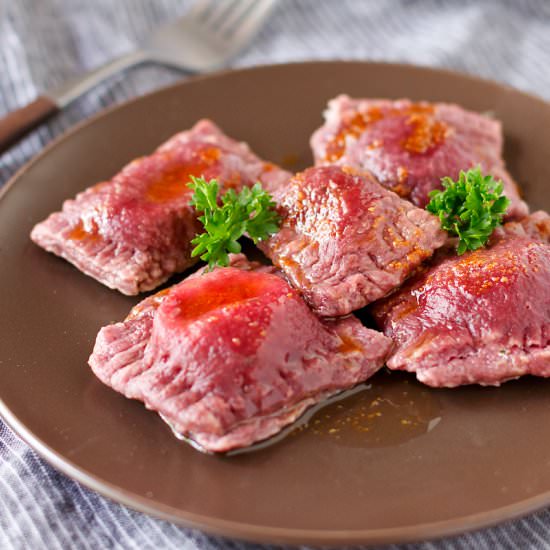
405 309
425 134
172 183
154 301
349 345
80 232
289 263
480 273
230 293
354 127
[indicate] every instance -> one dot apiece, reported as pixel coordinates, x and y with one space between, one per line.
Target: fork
203 40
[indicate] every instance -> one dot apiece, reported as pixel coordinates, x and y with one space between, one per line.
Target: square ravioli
133 232
410 146
481 318
230 357
345 240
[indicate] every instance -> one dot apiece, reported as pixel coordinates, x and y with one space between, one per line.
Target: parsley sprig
252 211
469 208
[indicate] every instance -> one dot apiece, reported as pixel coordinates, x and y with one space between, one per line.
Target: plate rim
106 111
235 529
266 534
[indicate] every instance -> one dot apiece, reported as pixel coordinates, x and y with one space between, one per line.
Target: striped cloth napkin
45 42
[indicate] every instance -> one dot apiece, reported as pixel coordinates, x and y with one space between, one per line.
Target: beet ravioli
345 240
481 318
410 146
232 356
133 232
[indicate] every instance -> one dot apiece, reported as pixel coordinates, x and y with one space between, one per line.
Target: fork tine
209 34
201 9
240 11
243 27
217 17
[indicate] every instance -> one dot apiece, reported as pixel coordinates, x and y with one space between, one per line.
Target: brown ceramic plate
410 463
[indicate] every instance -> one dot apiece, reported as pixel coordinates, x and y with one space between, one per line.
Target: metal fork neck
75 88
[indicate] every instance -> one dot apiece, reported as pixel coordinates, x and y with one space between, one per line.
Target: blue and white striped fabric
45 42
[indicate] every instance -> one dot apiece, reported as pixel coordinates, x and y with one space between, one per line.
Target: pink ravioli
232 356
133 232
481 318
410 146
345 240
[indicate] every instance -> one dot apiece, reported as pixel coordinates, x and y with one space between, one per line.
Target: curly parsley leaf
470 208
252 211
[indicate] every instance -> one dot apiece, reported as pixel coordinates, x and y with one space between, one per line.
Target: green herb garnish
252 211
469 208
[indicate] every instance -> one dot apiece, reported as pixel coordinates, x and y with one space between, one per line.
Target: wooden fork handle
18 123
